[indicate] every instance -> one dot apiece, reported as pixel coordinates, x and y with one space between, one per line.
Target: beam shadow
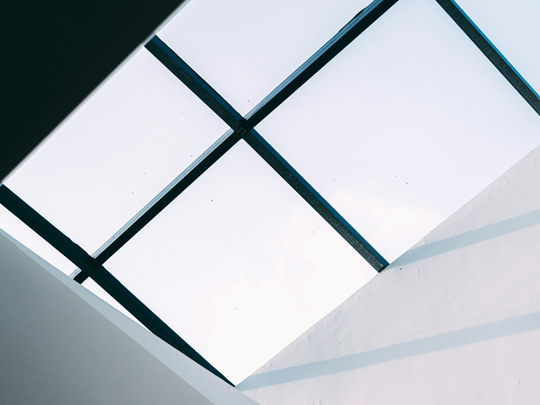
469 238
448 340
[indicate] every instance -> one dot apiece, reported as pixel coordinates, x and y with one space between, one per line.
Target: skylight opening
405 125
239 265
120 149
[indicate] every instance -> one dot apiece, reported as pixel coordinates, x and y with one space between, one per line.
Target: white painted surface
455 320
60 344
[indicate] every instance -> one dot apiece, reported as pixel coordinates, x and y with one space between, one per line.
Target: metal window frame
242 128
101 276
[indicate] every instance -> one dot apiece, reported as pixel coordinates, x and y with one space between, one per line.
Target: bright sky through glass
399 131
246 48
404 126
139 132
239 265
512 26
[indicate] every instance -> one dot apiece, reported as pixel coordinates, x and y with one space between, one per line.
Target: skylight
404 126
241 238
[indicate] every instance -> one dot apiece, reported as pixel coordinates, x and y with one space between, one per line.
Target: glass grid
398 127
275 268
106 169
211 37
241 129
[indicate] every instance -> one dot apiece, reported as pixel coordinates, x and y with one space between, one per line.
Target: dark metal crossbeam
300 76
45 229
101 276
319 59
194 82
162 200
313 198
491 52
244 127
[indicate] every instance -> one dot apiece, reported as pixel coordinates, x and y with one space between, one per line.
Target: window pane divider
491 52
101 276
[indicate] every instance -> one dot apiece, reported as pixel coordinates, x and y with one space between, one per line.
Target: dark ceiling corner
55 53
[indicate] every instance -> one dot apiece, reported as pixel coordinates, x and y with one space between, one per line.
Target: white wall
455 320
60 344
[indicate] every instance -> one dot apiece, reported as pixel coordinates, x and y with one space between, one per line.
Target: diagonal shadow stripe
448 340
470 238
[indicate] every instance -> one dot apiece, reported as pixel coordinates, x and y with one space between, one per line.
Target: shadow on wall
426 345
475 334
469 238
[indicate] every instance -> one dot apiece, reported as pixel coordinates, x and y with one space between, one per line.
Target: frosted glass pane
246 48
404 126
18 230
121 148
512 26
239 265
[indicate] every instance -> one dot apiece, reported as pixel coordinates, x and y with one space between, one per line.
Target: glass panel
122 147
404 126
239 265
246 48
12 225
512 26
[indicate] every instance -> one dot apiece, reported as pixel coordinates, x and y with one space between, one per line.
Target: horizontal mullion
45 229
319 59
194 82
313 198
165 197
491 52
150 320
